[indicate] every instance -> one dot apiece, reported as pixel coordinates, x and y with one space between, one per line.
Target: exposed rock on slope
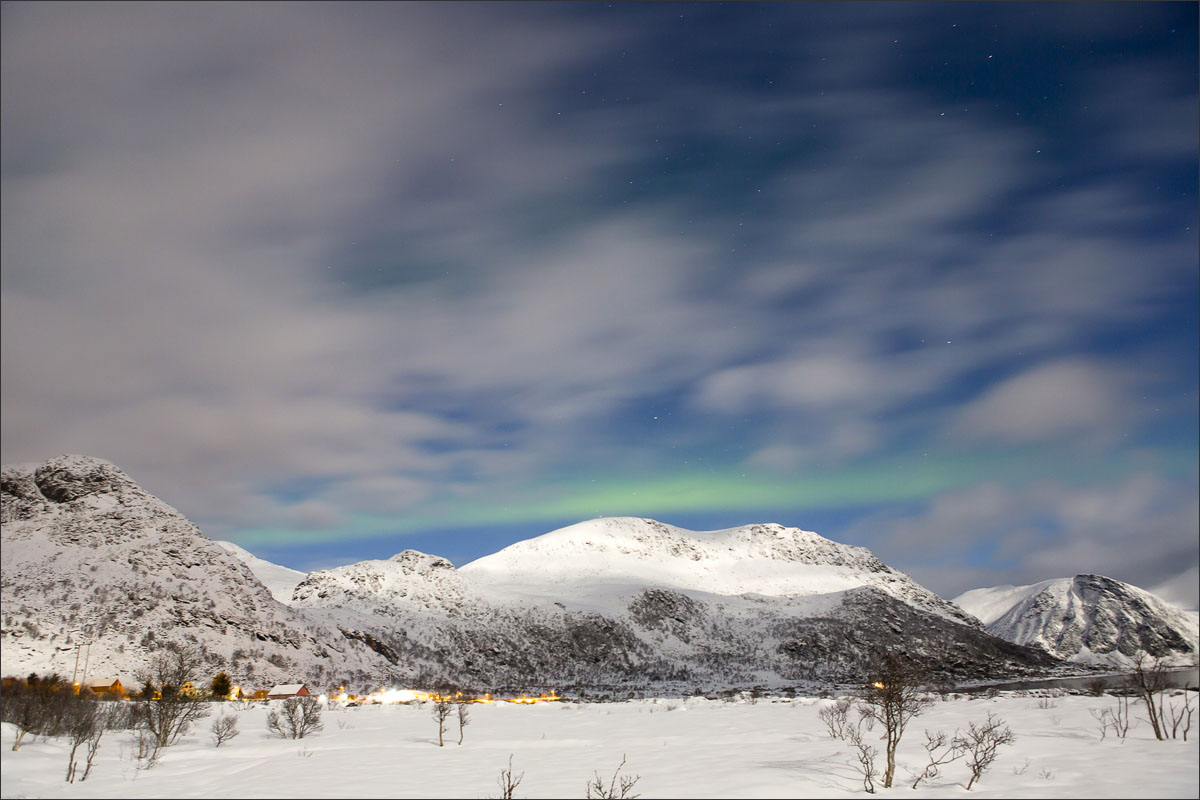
88 556
1086 619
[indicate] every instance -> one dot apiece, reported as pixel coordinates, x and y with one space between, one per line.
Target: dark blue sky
341 280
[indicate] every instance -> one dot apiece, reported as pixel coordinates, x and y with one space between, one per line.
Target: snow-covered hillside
1086 619
594 563
90 557
280 581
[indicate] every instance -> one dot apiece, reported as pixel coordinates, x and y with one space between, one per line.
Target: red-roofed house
286 690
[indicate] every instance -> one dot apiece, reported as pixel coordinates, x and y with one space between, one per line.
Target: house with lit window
105 687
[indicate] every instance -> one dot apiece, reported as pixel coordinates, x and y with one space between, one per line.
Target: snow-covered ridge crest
281 581
767 559
1086 619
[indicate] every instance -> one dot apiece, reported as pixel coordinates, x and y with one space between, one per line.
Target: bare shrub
172 713
82 721
981 744
1114 719
835 716
1181 720
35 705
941 751
618 788
224 728
866 754
508 782
110 717
296 718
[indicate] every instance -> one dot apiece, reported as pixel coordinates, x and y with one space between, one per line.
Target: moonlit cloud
1044 530
1051 400
357 272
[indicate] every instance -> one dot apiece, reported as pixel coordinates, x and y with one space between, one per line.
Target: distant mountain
88 556
280 581
1088 619
633 602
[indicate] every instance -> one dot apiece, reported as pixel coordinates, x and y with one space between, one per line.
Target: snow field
680 748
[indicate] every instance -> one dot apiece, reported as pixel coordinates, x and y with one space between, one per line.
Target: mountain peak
69 477
1085 618
603 557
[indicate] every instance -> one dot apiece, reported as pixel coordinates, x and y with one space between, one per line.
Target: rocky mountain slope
1086 619
627 602
90 557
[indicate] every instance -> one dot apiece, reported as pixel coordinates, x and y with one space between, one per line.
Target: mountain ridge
645 605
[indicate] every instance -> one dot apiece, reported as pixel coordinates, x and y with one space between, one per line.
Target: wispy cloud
297 266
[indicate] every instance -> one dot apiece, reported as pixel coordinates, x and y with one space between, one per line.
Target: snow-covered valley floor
679 748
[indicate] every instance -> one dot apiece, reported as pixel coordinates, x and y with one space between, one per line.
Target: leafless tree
442 709
866 754
508 782
835 716
224 728
1115 719
941 751
893 697
1181 721
165 719
82 722
1149 682
1101 716
982 743
618 788
110 717
464 719
296 718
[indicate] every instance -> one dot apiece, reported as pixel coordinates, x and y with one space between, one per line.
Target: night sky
340 280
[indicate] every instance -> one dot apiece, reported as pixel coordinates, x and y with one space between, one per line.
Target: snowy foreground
679 748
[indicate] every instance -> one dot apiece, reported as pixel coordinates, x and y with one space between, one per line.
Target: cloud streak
299 267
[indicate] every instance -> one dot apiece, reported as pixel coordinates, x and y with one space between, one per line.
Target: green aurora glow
913 479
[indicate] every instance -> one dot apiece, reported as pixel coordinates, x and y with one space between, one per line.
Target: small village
222 689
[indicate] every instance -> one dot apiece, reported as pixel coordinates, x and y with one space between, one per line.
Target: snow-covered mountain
596 563
280 581
627 601
1086 619
610 603
90 557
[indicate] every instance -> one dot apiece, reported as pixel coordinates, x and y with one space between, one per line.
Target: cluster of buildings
111 688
